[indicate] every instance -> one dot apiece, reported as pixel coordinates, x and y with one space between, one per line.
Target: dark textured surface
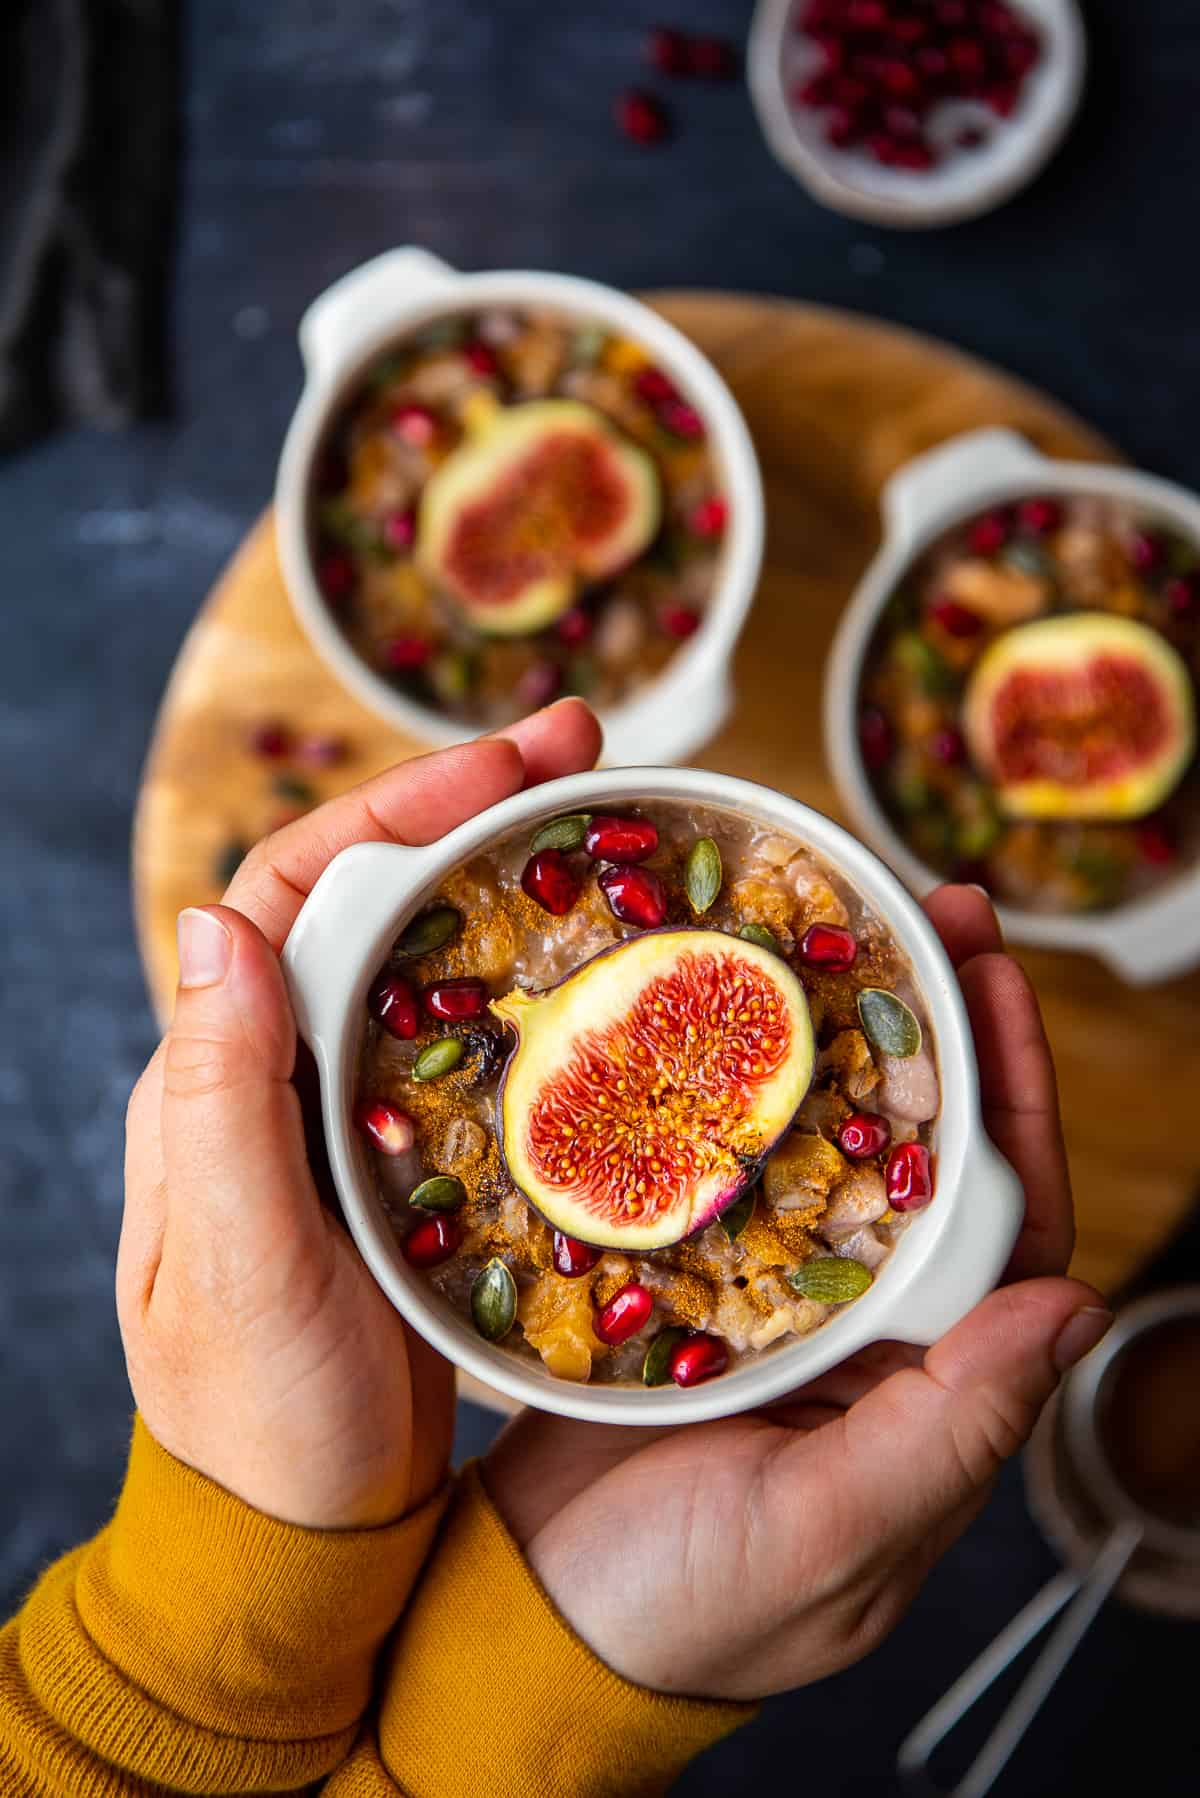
316 134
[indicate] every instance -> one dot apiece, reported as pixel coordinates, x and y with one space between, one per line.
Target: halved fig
647 1088
1086 715
546 497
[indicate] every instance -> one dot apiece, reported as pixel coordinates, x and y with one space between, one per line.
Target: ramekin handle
365 300
344 927
973 1252
951 477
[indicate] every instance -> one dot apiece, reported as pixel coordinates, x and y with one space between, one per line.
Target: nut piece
804 1166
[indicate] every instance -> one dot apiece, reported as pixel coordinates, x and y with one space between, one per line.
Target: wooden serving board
835 404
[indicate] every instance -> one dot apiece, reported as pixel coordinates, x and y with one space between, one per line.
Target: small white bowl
381 302
966 182
949 1258
1148 939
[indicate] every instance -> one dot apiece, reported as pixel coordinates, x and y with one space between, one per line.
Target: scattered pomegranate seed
336 575
699 1358
1039 516
434 1240
456 999
681 420
709 518
635 895
949 747
955 619
322 751
864 1133
613 839
416 424
1155 844
642 118
400 530
1147 552
1182 594
540 683
626 1312
574 627
828 946
712 59
408 653
653 386
909 1177
551 882
389 1130
571 1258
271 740
668 50
876 739
990 533
679 621
393 1003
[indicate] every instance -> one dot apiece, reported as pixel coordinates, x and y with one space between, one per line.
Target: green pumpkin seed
703 874
830 1279
889 1025
433 929
734 1220
562 833
758 933
922 663
494 1301
438 1058
587 343
1028 558
656 1368
440 1193
290 786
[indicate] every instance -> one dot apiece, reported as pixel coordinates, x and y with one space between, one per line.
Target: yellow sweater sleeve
487 1690
198 1645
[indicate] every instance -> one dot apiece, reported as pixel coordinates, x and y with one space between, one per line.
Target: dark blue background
318 132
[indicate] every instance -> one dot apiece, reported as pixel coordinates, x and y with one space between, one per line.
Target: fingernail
205 948
1079 1335
976 888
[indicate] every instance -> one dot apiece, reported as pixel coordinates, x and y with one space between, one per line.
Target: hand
742 1557
260 1349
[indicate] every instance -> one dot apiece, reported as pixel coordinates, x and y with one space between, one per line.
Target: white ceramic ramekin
948 1259
1149 939
383 300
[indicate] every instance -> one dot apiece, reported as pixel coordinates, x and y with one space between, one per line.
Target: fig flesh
546 498
647 1088
1085 715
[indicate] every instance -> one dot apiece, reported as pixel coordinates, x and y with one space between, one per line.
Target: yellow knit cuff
488 1689
195 1635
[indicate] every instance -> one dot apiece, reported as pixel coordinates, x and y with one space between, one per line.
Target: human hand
260 1349
764 1551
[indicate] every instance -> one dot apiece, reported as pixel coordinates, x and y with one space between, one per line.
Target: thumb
238 1181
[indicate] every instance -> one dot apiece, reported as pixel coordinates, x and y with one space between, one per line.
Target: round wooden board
835 404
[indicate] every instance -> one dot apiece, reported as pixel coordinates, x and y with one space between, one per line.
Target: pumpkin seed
494 1301
830 1279
562 833
734 1220
656 1368
438 1058
889 1025
758 933
587 343
703 874
432 930
442 1192
290 786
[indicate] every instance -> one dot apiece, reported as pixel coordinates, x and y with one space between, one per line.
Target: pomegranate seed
699 1358
551 882
951 13
909 31
1147 552
574 627
653 386
613 839
989 533
902 123
712 59
912 156
1155 845
1039 516
709 518
866 15
828 946
681 420
482 357
1021 56
626 1312
955 619
400 530
393 1003
949 747
540 683
1182 593
966 57
679 621
932 62
642 118
416 424
875 738
909 1177
571 1258
1002 99
899 79
456 999
634 895
843 128
271 740
407 653
882 147
322 751
336 575
864 1133
667 50
388 1129
434 1240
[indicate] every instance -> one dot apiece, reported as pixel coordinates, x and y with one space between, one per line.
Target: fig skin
686 1219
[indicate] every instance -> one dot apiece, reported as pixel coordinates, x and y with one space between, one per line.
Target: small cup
383 301
1147 939
939 1269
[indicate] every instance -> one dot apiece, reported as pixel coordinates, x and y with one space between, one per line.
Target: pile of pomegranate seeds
641 115
887 64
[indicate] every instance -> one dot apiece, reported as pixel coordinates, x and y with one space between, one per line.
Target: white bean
857 1200
863 1246
909 1088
